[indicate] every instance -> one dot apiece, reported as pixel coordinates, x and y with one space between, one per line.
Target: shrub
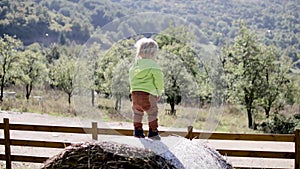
279 124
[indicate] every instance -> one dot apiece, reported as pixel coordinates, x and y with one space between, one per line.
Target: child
146 87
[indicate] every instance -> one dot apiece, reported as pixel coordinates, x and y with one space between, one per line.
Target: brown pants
144 102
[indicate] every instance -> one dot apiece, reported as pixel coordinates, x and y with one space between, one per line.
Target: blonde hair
147 48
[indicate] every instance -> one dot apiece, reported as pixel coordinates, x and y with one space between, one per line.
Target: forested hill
277 22
45 21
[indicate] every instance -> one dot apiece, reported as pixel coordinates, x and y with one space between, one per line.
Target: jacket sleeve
158 81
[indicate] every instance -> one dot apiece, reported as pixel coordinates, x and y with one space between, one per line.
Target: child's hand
158 98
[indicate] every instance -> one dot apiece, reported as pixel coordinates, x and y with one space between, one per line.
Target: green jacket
146 75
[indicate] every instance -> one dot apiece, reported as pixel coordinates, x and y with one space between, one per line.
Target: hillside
277 22
46 21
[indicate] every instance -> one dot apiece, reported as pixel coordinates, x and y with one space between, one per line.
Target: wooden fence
94 131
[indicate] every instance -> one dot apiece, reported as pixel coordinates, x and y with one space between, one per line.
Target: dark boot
139 133
153 134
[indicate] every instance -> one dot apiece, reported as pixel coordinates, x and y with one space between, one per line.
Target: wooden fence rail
95 131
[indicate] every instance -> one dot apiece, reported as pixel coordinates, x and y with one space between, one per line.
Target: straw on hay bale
170 152
106 155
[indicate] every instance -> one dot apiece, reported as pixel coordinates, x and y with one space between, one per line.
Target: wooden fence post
95 130
7 143
297 149
190 133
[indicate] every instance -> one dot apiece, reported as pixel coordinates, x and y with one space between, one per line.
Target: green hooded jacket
146 75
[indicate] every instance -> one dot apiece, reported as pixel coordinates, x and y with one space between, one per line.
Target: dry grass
225 119
52 102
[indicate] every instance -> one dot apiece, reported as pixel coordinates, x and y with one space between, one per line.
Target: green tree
257 76
276 77
9 57
52 53
180 64
179 82
120 82
93 60
33 67
243 65
62 75
63 72
109 61
293 93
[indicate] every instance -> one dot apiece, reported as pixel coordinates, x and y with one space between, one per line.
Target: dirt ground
44 119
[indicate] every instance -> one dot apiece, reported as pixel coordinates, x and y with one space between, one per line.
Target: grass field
223 119
228 118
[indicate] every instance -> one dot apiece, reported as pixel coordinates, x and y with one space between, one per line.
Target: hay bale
106 155
129 152
190 154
